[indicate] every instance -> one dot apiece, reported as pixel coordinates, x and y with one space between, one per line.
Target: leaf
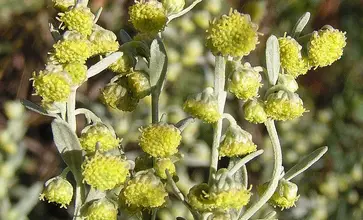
158 62
68 145
125 37
300 24
272 59
305 163
103 64
136 48
36 108
238 176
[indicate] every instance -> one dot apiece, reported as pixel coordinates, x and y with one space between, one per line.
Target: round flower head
290 57
77 72
105 172
63 5
100 136
138 83
78 19
203 105
101 209
144 190
234 198
117 96
326 46
123 65
284 105
73 48
52 86
162 165
58 190
285 195
103 41
254 111
288 82
233 35
200 199
245 81
173 6
148 17
236 142
160 140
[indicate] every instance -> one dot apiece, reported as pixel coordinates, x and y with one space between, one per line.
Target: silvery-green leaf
36 108
272 59
125 37
305 163
158 62
300 24
68 145
238 176
103 64
136 48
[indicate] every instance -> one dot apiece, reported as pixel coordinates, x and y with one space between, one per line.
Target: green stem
271 129
219 81
71 106
155 105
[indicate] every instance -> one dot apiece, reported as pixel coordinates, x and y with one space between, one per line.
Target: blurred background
331 189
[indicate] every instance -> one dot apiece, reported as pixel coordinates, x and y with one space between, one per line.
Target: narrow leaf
300 24
238 176
125 37
68 145
272 59
158 61
305 163
36 108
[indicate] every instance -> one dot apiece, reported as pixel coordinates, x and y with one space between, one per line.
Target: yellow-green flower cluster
254 111
203 106
117 96
245 81
234 35
101 209
52 86
103 41
123 65
173 6
78 19
98 136
145 190
148 17
199 198
58 190
285 195
284 105
77 72
138 83
162 165
233 198
236 142
326 46
160 140
105 172
291 58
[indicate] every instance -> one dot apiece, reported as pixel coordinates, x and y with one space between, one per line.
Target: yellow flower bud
52 86
245 81
160 140
58 190
203 106
234 198
290 57
73 48
78 19
103 41
284 105
162 165
138 83
199 198
77 72
117 96
123 65
98 135
254 111
105 172
236 142
326 46
148 17
285 195
101 209
233 35
144 190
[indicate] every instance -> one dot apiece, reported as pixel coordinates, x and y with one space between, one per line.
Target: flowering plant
106 181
